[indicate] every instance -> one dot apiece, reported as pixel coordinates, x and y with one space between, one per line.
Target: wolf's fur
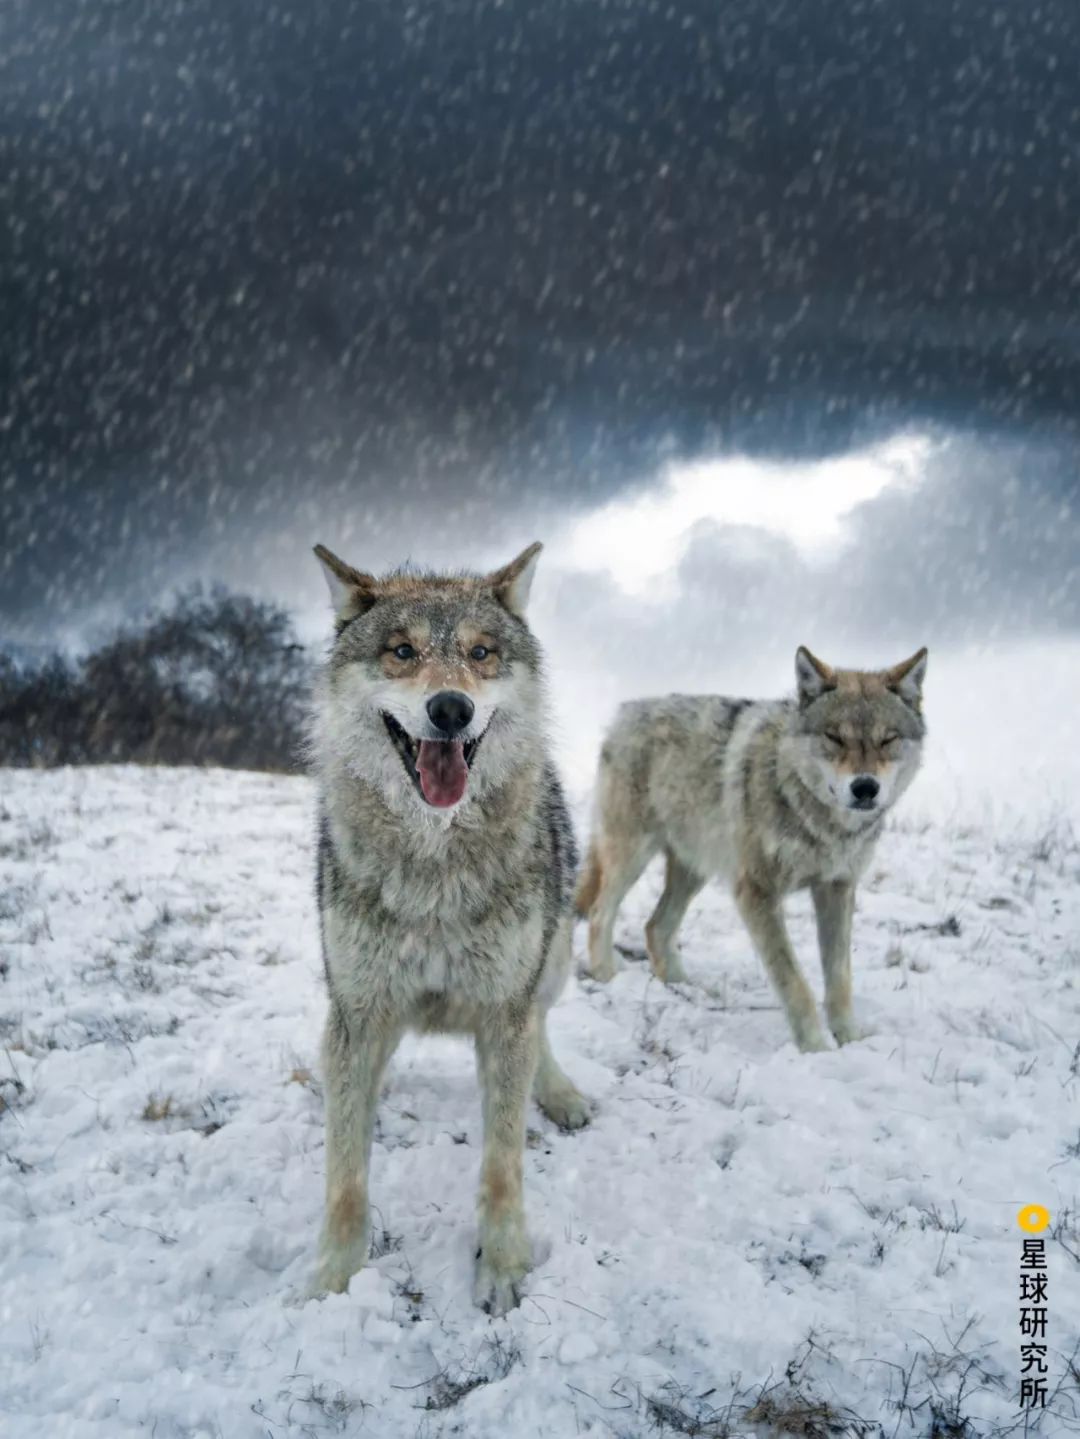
454 919
755 792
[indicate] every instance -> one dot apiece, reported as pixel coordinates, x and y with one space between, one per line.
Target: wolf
771 796
446 865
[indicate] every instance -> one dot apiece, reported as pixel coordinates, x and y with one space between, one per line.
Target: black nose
864 788
451 712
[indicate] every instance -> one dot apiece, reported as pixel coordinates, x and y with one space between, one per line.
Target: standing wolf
772 795
446 863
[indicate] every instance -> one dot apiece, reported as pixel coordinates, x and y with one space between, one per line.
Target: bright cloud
639 540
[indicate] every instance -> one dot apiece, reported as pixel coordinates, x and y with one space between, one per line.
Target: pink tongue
444 774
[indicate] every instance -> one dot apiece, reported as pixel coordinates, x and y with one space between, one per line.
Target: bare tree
217 678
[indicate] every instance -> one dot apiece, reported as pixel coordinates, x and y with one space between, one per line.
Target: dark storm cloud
421 266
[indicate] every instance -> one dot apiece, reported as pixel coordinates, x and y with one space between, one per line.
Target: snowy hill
746 1241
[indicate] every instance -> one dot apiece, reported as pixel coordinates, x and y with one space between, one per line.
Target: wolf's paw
568 1108
666 964
601 970
502 1262
497 1288
673 973
336 1267
812 1041
847 1029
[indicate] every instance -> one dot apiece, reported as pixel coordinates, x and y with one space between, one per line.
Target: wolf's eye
890 739
404 652
479 652
833 737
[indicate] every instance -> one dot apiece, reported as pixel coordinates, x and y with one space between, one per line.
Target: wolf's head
433 691
859 733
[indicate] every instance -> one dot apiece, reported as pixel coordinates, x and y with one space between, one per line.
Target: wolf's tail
588 885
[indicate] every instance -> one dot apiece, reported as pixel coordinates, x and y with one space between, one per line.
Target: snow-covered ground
746 1241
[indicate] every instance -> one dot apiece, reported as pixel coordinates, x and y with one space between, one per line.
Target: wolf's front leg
763 917
506 1053
355 1053
834 904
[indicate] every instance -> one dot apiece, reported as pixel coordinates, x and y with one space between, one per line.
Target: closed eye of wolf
770 796
446 865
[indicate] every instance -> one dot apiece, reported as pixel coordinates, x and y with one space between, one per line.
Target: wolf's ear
351 592
513 582
907 678
812 676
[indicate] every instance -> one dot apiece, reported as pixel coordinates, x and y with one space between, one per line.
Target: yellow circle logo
1034 1218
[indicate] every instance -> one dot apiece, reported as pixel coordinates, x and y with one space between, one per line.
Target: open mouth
439 768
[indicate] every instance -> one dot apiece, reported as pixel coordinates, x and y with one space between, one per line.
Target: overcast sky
764 316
